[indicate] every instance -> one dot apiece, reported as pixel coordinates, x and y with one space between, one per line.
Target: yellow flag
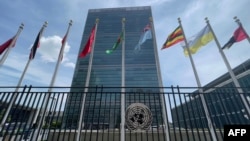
199 40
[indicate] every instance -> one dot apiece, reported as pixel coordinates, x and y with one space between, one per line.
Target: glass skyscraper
223 100
142 72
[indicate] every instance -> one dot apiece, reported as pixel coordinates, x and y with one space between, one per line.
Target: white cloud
50 47
175 67
193 8
69 64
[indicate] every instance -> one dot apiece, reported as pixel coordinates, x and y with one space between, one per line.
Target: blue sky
175 67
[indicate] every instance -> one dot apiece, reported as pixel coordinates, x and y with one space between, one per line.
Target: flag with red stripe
175 37
5 45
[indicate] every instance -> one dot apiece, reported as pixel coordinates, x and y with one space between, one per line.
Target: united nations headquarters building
117 93
141 69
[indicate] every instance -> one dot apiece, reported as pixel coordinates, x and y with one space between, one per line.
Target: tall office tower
142 73
221 96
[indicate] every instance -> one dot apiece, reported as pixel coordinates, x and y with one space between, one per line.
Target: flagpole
11 44
47 97
240 24
59 58
201 93
13 99
164 110
123 84
235 81
80 123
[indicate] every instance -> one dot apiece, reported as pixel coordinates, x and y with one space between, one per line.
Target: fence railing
37 114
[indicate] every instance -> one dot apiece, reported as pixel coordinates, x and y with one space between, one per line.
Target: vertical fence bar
115 109
62 118
93 114
204 124
36 116
198 103
100 107
238 101
172 116
233 107
190 121
28 124
109 115
87 112
212 97
156 116
104 114
222 106
13 111
41 117
12 100
182 110
72 120
214 107
22 126
167 126
52 115
177 114
189 116
45 127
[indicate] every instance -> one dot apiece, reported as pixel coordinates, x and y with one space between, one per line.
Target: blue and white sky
175 67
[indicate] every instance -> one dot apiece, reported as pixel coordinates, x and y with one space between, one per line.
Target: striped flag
117 43
146 34
5 45
34 47
199 40
175 37
238 36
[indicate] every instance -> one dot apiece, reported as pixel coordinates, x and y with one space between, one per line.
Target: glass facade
141 68
223 100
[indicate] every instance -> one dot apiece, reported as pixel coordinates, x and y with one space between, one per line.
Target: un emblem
138 116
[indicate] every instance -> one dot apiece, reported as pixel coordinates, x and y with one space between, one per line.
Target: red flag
63 42
6 45
64 39
88 46
238 36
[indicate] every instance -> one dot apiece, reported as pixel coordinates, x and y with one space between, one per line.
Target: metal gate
176 113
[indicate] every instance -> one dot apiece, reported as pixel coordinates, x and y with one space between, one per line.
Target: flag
199 40
146 34
120 38
63 44
175 37
88 45
64 39
5 45
238 36
35 46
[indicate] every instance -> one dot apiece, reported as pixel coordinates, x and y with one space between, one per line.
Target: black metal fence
34 114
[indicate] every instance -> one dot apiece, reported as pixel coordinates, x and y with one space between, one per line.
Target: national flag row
146 34
194 43
202 38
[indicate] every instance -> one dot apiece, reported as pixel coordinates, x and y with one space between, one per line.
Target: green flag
120 38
